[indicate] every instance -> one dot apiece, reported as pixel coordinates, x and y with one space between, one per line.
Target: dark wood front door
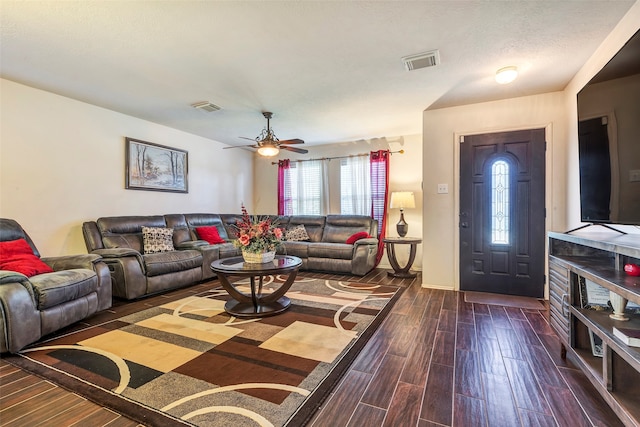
502 213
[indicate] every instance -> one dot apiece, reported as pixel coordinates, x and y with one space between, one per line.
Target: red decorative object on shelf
632 269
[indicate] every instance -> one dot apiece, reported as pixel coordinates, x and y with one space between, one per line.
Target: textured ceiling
330 71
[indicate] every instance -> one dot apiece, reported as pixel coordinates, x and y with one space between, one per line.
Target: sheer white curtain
355 186
309 192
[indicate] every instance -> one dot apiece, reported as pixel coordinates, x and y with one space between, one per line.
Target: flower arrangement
257 235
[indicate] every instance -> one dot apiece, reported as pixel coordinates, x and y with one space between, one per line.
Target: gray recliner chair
32 307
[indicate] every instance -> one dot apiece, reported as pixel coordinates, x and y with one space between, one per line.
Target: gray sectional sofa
118 240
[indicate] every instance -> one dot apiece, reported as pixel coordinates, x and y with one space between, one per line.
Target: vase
618 303
258 257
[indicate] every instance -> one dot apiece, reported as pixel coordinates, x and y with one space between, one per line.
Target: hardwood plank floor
436 360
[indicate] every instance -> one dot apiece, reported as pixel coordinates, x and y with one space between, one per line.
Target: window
355 186
307 188
500 202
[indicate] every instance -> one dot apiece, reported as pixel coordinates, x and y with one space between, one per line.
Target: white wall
405 175
442 131
62 163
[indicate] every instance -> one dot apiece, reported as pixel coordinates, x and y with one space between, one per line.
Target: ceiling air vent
422 60
206 106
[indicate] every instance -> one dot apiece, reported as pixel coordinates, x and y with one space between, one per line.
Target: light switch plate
634 175
443 188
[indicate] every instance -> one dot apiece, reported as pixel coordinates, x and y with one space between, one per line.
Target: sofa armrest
117 253
68 262
19 317
367 241
364 256
7 276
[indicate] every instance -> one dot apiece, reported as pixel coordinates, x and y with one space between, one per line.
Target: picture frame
592 295
596 344
155 167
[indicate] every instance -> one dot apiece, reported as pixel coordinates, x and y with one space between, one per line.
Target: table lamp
402 200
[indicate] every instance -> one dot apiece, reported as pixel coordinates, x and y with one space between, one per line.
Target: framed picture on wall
155 167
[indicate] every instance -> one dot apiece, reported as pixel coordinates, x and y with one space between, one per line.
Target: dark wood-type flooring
435 361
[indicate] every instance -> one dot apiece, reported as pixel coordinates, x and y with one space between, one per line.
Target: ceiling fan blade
248 139
295 150
292 141
240 146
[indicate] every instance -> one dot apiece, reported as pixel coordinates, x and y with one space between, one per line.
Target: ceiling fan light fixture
268 150
506 74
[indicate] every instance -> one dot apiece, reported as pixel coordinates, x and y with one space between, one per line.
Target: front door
502 213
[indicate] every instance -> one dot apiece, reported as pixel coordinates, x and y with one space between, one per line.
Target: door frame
548 194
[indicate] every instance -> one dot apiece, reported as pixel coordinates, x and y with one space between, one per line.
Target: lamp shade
268 150
402 200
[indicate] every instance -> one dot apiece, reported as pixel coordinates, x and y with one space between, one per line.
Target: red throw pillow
357 236
210 234
17 255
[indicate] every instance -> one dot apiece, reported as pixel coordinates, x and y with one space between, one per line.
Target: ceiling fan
268 144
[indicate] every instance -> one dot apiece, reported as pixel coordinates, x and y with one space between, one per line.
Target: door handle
564 302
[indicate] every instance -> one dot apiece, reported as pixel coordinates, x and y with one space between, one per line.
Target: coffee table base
263 309
402 275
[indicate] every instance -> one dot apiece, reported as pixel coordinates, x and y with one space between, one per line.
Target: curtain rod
337 157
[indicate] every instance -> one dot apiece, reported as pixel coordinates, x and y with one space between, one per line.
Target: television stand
592 224
612 367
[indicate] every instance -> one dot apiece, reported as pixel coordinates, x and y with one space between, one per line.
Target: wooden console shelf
599 258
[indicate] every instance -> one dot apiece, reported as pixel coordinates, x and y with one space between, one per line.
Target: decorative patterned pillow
296 234
157 239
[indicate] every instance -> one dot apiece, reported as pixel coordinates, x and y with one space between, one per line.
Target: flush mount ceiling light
506 75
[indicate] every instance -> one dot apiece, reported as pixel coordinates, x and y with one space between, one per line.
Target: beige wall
405 175
62 163
442 131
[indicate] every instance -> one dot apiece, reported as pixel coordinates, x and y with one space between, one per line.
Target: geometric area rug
185 361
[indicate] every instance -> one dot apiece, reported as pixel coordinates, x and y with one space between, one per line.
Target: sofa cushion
228 250
330 250
296 234
171 262
52 289
210 234
340 227
157 239
125 231
357 236
17 255
313 224
299 249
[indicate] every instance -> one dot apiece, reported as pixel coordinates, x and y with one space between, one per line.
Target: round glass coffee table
256 304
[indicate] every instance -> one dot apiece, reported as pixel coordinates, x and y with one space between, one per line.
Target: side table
390 244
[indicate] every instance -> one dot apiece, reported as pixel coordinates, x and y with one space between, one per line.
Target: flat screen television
609 140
